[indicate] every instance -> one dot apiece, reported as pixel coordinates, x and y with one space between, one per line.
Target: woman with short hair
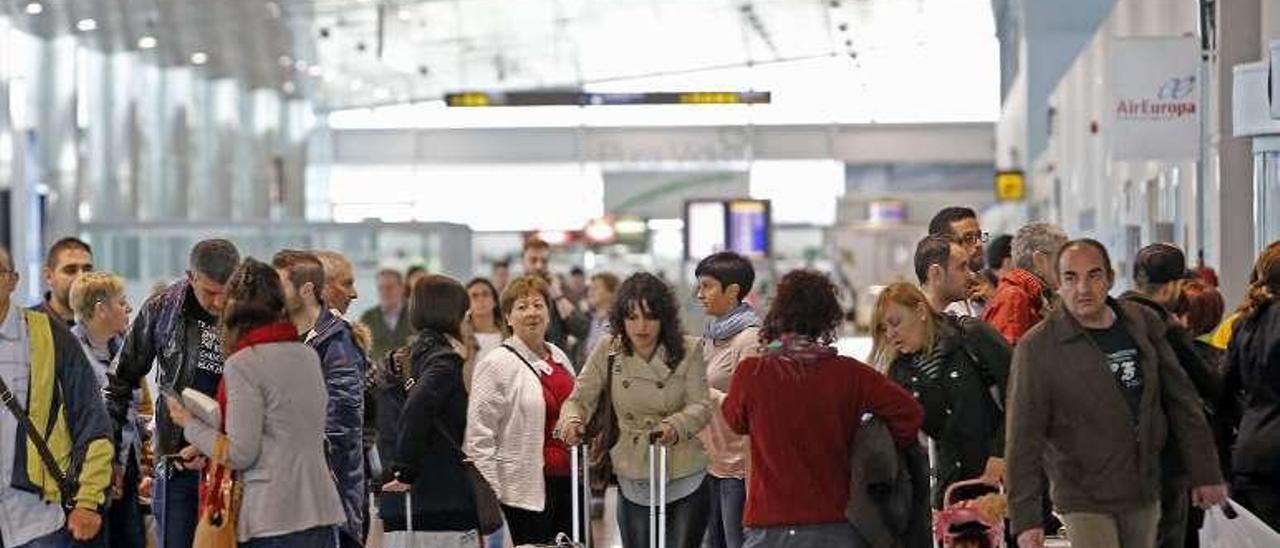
274 408
517 395
659 387
423 444
102 312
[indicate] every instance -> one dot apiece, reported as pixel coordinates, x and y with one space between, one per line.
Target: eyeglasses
9 273
975 237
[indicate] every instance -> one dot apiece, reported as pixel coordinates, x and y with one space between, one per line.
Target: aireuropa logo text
1169 103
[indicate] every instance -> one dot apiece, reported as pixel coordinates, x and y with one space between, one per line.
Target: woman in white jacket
516 394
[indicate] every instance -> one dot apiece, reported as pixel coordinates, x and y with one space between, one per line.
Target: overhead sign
578 98
1154 112
1011 186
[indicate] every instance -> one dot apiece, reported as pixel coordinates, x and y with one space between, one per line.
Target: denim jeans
176 506
123 521
724 526
315 537
686 521
56 539
805 536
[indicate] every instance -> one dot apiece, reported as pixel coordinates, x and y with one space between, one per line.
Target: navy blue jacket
344 365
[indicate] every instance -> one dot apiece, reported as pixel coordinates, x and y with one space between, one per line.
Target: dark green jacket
386 339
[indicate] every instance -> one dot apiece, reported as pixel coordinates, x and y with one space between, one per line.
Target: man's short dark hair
941 223
391 273
1159 264
215 259
1085 242
64 244
534 243
438 303
728 268
998 250
302 267
933 249
577 271
414 270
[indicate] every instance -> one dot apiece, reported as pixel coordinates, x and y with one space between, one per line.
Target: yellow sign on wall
1011 186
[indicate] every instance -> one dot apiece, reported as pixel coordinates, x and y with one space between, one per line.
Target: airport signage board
743 226
1154 108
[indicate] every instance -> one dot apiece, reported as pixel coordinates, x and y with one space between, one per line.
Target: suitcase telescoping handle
580 494
657 492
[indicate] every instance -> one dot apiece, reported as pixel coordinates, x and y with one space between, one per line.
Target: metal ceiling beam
850 143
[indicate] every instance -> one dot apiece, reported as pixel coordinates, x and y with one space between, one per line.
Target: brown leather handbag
602 431
221 508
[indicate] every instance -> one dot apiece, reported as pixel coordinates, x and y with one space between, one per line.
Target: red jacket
802 418
1017 306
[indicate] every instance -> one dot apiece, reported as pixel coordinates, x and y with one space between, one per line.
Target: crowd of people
1117 418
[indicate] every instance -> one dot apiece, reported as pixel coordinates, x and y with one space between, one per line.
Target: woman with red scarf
273 407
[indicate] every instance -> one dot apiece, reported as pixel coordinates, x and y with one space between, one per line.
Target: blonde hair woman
102 316
957 369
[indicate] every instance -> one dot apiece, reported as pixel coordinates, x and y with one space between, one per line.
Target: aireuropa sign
1154 112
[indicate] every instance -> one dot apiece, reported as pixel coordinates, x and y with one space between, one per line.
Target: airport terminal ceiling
354 53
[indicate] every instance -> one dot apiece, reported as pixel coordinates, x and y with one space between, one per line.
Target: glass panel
1266 198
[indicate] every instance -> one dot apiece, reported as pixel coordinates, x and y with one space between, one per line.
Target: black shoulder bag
66 486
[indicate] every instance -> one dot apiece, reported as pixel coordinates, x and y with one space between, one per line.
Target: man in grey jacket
1095 392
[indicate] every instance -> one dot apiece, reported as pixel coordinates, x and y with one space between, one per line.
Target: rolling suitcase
580 495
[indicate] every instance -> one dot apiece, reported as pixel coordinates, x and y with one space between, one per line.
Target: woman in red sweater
801 403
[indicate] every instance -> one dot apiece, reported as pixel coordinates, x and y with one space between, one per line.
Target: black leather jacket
961 383
163 332
1252 400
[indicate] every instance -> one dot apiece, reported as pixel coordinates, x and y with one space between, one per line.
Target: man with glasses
68 259
961 224
46 375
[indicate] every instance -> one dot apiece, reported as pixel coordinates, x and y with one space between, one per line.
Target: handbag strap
42 447
536 373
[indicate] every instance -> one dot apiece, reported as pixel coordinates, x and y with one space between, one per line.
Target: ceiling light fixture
147 42
35 8
86 25
300 65
285 61
288 88
315 70
199 58
404 14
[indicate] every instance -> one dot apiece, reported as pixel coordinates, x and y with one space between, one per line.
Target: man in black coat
1157 269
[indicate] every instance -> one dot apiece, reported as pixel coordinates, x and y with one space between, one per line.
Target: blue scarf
728 325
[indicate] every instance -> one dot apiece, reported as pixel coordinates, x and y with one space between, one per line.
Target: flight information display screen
579 98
